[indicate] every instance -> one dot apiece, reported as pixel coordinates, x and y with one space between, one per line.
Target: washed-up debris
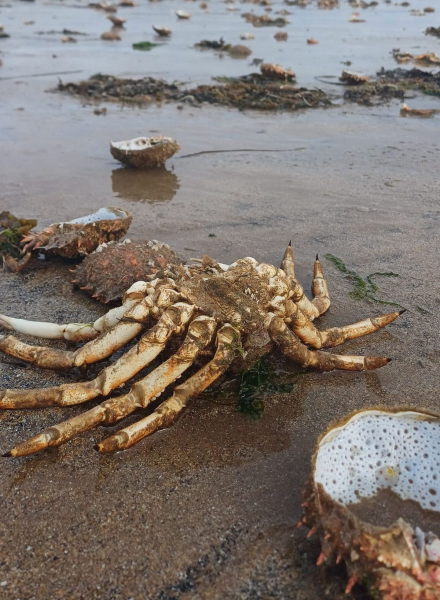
111 36
425 113
62 32
100 111
369 470
264 20
181 14
214 44
28 22
162 31
1 27
328 4
429 9
281 36
272 71
127 3
143 152
239 51
353 78
4 35
362 4
312 41
68 39
12 231
247 36
417 13
144 46
427 58
117 21
113 267
433 31
249 92
81 236
355 18
106 6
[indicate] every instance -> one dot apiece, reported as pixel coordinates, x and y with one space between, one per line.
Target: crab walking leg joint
298 352
303 327
288 263
321 299
168 412
200 332
138 357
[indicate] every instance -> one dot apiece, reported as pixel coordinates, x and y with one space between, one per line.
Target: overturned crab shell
108 272
143 152
181 14
162 31
272 71
391 457
80 236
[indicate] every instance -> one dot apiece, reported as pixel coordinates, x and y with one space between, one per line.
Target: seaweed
363 288
12 230
146 46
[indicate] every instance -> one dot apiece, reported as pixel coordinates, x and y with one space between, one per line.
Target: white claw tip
5 322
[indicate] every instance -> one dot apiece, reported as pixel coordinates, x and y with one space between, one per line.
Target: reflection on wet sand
152 185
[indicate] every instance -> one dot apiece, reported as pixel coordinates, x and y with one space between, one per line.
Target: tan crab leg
288 264
297 295
321 298
200 332
168 412
328 338
299 353
146 350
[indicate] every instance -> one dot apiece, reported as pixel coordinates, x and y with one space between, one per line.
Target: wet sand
208 509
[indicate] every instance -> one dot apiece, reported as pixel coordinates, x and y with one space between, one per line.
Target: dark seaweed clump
249 92
12 230
394 84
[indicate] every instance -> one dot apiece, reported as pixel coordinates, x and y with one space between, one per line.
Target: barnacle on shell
389 460
109 271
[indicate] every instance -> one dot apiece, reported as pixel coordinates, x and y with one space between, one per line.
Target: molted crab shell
109 271
143 152
373 467
80 236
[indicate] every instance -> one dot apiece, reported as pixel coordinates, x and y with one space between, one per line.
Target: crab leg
321 299
138 357
308 333
168 412
288 264
299 353
200 332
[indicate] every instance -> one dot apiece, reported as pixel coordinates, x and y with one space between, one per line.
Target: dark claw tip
389 360
96 447
7 454
290 243
402 311
317 256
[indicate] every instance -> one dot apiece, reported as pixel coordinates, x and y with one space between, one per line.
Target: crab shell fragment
109 271
373 451
81 236
272 71
143 152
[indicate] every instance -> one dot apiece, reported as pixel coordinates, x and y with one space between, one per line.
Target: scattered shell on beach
181 14
247 36
113 267
312 41
111 36
424 113
68 39
352 78
143 152
117 21
394 456
239 51
281 36
107 6
355 18
81 236
162 31
127 3
272 71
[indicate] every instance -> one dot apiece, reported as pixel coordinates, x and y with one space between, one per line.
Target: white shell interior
376 450
107 213
136 144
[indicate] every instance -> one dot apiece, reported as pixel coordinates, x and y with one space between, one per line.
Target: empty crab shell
272 71
162 31
109 271
80 236
378 465
143 152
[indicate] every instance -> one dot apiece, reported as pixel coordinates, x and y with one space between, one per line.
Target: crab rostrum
225 312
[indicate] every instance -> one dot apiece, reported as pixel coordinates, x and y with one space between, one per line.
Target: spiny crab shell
143 152
370 452
112 268
81 236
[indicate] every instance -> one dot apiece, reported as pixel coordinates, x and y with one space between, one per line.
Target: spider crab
228 312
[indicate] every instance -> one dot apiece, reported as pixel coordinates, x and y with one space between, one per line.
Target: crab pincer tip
290 243
317 256
402 311
389 360
7 454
